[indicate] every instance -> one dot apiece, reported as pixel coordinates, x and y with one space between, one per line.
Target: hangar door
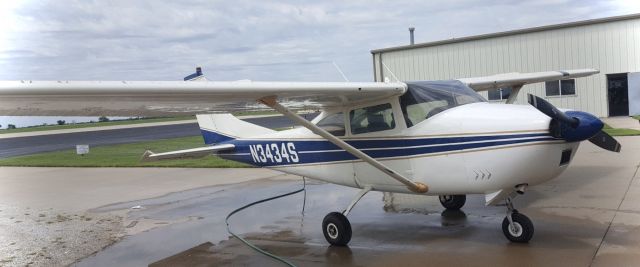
634 93
618 94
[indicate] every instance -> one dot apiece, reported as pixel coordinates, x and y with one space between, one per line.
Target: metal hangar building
611 45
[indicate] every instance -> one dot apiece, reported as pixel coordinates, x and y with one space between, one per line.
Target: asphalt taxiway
37 142
589 216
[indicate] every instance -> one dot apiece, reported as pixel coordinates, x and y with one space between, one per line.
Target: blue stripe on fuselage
319 151
317 145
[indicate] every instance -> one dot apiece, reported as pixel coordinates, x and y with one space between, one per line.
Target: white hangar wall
611 45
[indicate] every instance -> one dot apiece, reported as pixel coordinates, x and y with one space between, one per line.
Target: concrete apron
622 122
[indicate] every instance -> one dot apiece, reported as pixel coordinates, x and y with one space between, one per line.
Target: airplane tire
523 231
453 202
336 229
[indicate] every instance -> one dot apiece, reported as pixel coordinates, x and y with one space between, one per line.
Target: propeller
575 126
604 140
551 111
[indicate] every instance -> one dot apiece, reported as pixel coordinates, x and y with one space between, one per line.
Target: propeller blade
551 111
605 141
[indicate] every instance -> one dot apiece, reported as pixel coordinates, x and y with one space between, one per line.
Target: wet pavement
46 217
589 216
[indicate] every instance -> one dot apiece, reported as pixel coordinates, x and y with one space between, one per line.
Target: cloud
258 40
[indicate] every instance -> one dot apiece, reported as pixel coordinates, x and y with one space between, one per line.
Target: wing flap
156 98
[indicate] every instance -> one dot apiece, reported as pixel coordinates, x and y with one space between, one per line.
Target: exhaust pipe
411 29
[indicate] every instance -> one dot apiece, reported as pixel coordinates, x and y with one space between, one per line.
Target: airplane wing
517 79
156 98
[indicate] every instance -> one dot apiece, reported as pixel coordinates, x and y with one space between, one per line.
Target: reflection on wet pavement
187 229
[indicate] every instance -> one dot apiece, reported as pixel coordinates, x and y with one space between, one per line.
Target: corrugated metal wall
611 47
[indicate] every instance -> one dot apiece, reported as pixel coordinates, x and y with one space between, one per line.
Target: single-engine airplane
437 138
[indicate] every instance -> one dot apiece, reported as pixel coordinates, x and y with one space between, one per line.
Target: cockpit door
376 128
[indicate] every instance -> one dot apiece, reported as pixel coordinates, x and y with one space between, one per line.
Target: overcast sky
257 40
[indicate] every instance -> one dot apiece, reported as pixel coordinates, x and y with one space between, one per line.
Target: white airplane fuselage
475 148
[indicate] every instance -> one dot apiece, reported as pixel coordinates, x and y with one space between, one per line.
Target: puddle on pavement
409 229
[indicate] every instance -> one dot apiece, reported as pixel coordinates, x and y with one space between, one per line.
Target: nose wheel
516 227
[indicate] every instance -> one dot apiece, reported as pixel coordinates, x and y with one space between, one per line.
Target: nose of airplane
575 126
587 127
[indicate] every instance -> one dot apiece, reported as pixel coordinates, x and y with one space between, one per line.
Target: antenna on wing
340 71
389 70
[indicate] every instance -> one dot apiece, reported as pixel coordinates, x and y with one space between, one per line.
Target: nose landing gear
516 227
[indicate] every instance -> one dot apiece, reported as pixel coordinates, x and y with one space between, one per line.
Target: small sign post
82 149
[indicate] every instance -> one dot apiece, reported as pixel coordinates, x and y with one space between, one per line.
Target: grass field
620 131
93 124
125 155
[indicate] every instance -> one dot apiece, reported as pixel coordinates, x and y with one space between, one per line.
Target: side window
421 111
552 88
500 93
560 88
568 87
333 124
372 119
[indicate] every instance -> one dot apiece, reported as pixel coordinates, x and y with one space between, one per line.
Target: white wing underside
149 98
156 98
518 79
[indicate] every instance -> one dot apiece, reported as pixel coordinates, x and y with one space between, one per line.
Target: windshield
425 99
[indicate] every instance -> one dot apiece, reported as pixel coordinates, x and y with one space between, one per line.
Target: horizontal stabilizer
217 128
187 153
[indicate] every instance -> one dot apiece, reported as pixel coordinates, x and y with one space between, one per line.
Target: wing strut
413 186
514 93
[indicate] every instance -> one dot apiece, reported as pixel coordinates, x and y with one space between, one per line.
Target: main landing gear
516 226
453 202
336 227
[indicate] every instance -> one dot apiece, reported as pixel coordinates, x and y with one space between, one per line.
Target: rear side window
372 119
333 124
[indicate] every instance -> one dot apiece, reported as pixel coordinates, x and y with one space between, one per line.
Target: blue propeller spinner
575 126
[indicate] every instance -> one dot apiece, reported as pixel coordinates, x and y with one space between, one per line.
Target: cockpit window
428 98
372 119
333 124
